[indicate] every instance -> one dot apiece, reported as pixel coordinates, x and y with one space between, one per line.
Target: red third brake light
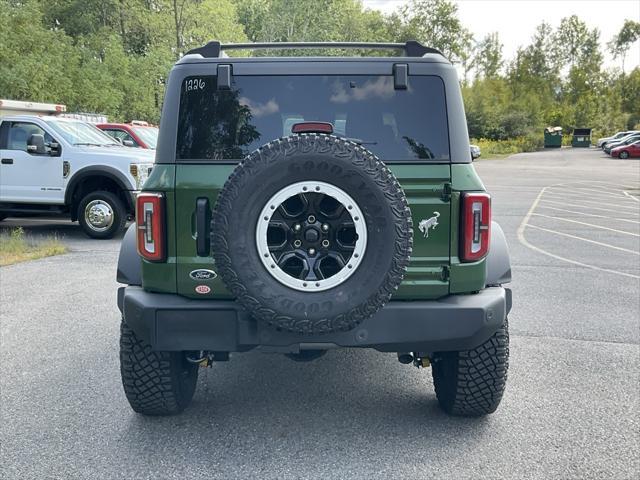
312 127
476 226
150 226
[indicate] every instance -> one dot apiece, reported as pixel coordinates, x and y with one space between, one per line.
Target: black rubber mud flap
129 263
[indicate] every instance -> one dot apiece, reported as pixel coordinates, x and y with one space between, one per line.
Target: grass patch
504 148
16 247
495 156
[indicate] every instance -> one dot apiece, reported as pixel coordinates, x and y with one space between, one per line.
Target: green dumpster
581 137
553 137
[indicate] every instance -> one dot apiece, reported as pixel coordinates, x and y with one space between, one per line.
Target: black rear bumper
456 322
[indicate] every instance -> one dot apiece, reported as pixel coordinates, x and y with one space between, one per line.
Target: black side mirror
35 144
54 149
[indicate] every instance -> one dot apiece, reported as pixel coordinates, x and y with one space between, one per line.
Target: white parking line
612 186
632 197
590 214
525 223
580 206
587 224
584 239
581 192
595 202
586 185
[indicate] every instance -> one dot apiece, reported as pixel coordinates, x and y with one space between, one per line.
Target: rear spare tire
312 234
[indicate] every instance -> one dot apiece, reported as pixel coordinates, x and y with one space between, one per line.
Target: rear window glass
394 124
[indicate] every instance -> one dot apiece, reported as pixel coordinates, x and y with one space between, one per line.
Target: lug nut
325 227
297 227
311 219
297 243
325 243
312 251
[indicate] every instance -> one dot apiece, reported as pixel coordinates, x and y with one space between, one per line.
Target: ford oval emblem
202 274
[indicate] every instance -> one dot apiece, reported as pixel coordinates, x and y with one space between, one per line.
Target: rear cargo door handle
7 161
203 221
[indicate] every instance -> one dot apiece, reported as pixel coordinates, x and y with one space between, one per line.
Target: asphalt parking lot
571 409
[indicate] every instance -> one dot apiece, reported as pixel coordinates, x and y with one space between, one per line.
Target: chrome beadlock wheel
311 236
98 215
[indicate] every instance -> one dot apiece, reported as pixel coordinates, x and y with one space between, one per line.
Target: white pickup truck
51 165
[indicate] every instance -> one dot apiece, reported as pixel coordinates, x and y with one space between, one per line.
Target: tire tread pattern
471 383
155 382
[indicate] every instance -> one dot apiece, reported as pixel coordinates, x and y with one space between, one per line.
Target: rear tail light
150 221
476 226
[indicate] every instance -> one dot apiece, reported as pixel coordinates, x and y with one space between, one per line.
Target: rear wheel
470 383
155 383
624 154
101 214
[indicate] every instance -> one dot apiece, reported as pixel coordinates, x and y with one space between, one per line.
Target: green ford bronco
300 204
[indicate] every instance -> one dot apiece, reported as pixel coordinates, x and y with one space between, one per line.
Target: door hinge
446 192
445 272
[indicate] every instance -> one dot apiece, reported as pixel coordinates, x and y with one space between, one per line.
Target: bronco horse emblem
428 223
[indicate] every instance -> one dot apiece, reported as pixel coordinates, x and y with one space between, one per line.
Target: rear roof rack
215 49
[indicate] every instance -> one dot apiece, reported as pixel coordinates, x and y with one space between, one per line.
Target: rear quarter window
396 125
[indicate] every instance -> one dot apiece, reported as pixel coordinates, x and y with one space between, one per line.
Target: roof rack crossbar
411 48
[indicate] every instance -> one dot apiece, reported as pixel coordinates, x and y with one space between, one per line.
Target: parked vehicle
625 151
135 134
294 223
18 107
621 142
475 151
602 143
58 166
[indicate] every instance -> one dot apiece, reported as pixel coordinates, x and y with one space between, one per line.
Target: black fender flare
129 262
498 262
98 171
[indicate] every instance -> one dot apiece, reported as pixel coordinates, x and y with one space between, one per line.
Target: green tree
36 63
488 56
436 24
621 43
192 23
576 44
310 20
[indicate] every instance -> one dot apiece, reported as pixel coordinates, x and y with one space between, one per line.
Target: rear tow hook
206 359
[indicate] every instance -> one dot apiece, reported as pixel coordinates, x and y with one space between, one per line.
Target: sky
515 20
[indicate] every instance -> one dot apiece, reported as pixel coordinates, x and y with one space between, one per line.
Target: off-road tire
119 212
322 158
624 155
155 383
470 383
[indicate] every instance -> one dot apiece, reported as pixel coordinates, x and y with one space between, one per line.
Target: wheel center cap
311 235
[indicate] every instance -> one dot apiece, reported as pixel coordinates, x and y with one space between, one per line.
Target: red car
135 134
626 151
